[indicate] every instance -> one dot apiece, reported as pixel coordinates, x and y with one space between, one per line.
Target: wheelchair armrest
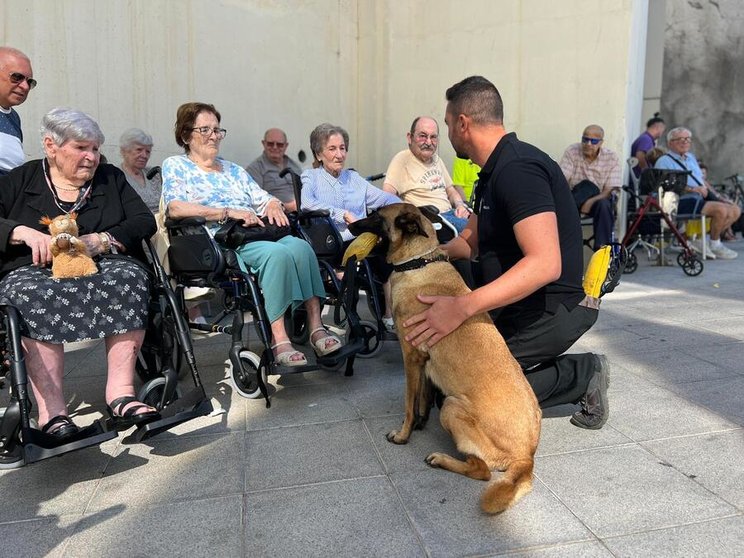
315 213
432 209
171 223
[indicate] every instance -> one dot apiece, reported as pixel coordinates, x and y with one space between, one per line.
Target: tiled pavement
314 476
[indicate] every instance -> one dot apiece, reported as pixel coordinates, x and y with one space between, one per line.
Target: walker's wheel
152 393
691 265
372 341
632 264
247 387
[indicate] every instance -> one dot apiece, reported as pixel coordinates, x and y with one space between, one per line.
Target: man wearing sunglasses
593 173
265 170
16 80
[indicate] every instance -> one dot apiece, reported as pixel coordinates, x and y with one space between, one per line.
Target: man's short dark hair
477 98
656 119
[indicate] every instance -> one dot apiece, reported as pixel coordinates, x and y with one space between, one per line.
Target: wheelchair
167 342
647 215
318 230
197 260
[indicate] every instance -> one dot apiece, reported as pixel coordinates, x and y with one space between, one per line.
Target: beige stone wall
370 66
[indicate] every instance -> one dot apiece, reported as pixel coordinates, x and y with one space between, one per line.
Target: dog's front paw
395 437
434 459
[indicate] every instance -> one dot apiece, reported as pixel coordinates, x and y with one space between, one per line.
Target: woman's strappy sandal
61 427
122 421
329 343
289 358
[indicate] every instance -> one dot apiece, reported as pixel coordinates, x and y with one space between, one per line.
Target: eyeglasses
424 137
593 141
687 139
273 144
17 77
206 131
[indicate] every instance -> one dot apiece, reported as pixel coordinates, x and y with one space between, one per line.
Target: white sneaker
697 246
723 253
388 323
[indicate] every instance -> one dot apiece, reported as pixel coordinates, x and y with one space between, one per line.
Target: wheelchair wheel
632 264
372 342
151 393
248 387
691 265
296 325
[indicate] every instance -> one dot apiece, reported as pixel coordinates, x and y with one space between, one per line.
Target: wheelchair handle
152 172
374 177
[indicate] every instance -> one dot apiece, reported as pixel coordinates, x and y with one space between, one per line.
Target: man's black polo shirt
519 181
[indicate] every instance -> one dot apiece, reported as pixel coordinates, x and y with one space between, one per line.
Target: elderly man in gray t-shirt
265 170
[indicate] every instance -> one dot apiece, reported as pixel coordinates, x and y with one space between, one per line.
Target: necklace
83 192
66 188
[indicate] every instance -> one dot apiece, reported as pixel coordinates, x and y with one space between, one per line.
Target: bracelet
224 217
105 243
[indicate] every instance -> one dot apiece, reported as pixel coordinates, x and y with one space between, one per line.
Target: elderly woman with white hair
110 304
135 147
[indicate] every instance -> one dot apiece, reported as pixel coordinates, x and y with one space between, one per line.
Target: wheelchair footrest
195 404
40 446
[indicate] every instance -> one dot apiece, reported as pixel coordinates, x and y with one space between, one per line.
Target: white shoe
723 253
697 246
388 323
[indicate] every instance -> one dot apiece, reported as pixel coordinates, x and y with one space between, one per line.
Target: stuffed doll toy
69 254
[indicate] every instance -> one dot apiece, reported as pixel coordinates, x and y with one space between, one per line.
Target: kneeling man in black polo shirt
526 233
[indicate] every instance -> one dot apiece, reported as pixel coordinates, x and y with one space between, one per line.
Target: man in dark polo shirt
527 235
266 168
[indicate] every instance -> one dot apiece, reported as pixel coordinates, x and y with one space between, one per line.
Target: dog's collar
419 262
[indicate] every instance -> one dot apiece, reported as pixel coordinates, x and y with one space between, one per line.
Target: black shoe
130 417
61 427
595 408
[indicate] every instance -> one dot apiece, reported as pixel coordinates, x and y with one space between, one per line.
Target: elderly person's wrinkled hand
250 219
275 213
462 211
38 241
349 217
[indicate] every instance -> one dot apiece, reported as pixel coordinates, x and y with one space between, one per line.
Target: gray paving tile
61 485
444 508
727 356
558 435
181 469
721 538
410 456
712 460
45 536
359 518
722 396
593 549
643 411
308 404
208 528
309 454
617 491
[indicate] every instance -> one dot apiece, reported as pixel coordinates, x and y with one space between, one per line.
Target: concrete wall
704 78
370 66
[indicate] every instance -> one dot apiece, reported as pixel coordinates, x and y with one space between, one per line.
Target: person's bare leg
314 322
121 354
280 340
717 213
45 368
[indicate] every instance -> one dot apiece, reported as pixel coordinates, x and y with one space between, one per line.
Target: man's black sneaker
595 408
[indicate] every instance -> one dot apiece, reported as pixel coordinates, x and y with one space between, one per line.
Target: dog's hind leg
424 402
470 440
413 361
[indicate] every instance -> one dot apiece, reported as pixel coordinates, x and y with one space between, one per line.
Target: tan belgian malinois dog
490 410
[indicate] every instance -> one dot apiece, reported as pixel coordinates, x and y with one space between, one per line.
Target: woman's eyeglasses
593 141
17 77
206 131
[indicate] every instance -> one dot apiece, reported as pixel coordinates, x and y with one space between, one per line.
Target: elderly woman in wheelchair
344 193
111 303
199 183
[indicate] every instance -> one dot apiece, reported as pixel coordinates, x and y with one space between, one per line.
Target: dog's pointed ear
372 224
410 223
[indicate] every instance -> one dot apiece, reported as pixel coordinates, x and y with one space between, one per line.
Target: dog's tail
507 490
